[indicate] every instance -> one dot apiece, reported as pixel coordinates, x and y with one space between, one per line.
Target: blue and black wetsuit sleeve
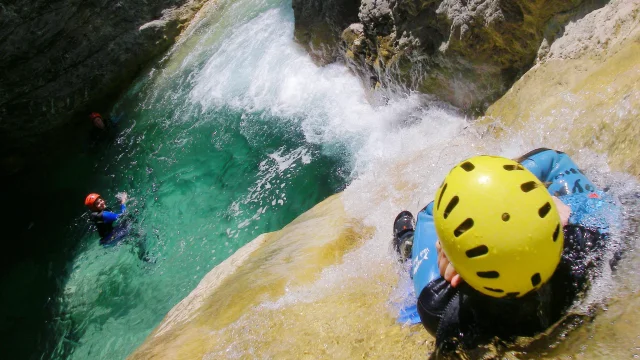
591 207
109 216
434 292
586 235
558 171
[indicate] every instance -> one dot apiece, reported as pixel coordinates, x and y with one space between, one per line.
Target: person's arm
116 119
424 252
434 291
446 269
557 170
109 216
123 199
539 162
433 302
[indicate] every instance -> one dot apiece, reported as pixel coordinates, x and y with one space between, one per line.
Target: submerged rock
61 59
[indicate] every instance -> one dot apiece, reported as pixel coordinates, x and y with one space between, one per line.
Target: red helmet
90 200
94 115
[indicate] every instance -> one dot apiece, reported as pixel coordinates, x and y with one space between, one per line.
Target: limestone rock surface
584 87
466 52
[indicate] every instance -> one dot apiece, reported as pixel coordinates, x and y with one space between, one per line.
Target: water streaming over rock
233 134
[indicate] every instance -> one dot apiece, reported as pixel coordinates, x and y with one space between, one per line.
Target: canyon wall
61 59
465 52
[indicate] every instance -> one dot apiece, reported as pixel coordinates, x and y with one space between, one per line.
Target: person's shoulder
537 152
111 122
428 209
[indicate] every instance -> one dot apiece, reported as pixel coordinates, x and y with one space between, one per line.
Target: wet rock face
319 24
470 51
61 59
466 52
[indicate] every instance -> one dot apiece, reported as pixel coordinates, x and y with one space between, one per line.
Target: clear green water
195 202
205 174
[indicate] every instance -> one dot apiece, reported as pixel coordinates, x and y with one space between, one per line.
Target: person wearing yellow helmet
499 252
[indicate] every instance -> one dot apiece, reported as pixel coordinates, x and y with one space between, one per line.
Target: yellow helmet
498 226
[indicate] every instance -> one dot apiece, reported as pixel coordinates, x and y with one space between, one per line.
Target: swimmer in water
103 217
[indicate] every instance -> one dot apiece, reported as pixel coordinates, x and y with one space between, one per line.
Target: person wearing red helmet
102 130
102 216
97 120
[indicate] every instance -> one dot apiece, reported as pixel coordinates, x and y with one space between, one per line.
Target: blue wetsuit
463 315
104 221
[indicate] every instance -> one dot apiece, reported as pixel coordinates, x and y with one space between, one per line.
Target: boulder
466 52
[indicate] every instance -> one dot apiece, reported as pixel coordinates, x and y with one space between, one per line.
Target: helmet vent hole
556 233
462 228
440 198
467 166
488 274
494 290
511 167
544 210
528 186
535 279
477 251
450 206
506 217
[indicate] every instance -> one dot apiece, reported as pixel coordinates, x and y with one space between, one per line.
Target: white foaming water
272 174
260 68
